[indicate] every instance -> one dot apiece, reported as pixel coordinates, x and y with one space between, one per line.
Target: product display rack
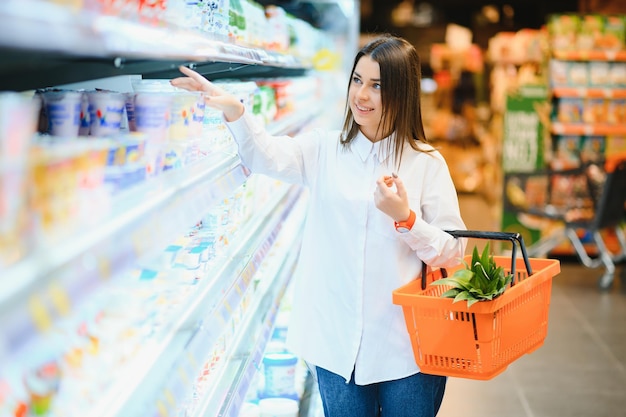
167 377
246 355
581 120
50 45
47 45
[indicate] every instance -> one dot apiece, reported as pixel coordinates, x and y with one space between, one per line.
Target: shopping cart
588 201
481 341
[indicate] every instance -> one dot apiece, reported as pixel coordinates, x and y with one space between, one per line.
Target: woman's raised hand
214 96
392 201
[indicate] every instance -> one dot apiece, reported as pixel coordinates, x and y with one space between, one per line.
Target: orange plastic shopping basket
481 341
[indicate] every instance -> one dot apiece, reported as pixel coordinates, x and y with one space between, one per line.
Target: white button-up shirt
352 258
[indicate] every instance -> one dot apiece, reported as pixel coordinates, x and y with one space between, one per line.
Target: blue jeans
418 395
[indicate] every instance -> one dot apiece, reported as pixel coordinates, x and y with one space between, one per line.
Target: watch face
402 229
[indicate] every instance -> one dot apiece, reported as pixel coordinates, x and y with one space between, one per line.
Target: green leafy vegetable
480 281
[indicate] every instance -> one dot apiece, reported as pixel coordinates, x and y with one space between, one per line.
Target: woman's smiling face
365 99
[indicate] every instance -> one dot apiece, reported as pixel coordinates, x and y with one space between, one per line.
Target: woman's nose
361 92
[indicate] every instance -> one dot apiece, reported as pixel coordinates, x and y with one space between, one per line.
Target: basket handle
476 234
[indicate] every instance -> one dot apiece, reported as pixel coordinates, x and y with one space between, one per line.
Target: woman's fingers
400 189
194 76
186 83
214 96
392 201
195 82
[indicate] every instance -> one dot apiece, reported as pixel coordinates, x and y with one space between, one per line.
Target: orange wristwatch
406 225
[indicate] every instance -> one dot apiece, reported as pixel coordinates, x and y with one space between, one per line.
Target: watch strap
406 224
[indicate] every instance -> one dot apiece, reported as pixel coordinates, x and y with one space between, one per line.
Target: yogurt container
278 407
279 371
63 110
106 112
152 117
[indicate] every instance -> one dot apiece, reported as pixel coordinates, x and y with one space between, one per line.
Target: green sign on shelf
522 145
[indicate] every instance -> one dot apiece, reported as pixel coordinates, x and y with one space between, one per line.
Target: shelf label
104 267
192 359
169 397
39 313
161 409
228 308
184 377
60 299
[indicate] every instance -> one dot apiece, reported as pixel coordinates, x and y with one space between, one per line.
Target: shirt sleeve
284 157
438 212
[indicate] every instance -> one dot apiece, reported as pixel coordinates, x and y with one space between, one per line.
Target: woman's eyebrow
371 79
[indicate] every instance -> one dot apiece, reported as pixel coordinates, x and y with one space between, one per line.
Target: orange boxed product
567 155
615 144
562 29
595 110
616 111
592 148
578 74
558 73
570 110
590 32
617 74
614 32
599 73
481 341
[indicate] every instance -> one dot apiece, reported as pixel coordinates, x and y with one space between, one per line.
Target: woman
344 324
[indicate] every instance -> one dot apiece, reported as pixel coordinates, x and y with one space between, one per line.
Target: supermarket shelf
589 92
244 358
45 44
143 220
591 55
186 342
22 70
587 129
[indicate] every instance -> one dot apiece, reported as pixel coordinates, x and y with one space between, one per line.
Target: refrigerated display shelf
47 44
157 373
141 221
244 358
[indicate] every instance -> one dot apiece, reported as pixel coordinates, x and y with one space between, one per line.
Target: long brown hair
400 79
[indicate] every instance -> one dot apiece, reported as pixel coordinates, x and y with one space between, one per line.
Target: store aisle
580 371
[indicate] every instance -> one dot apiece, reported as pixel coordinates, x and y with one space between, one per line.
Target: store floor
580 371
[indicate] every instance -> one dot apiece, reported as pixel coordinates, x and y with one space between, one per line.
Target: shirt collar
364 147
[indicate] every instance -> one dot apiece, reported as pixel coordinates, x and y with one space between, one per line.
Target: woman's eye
356 80
377 86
